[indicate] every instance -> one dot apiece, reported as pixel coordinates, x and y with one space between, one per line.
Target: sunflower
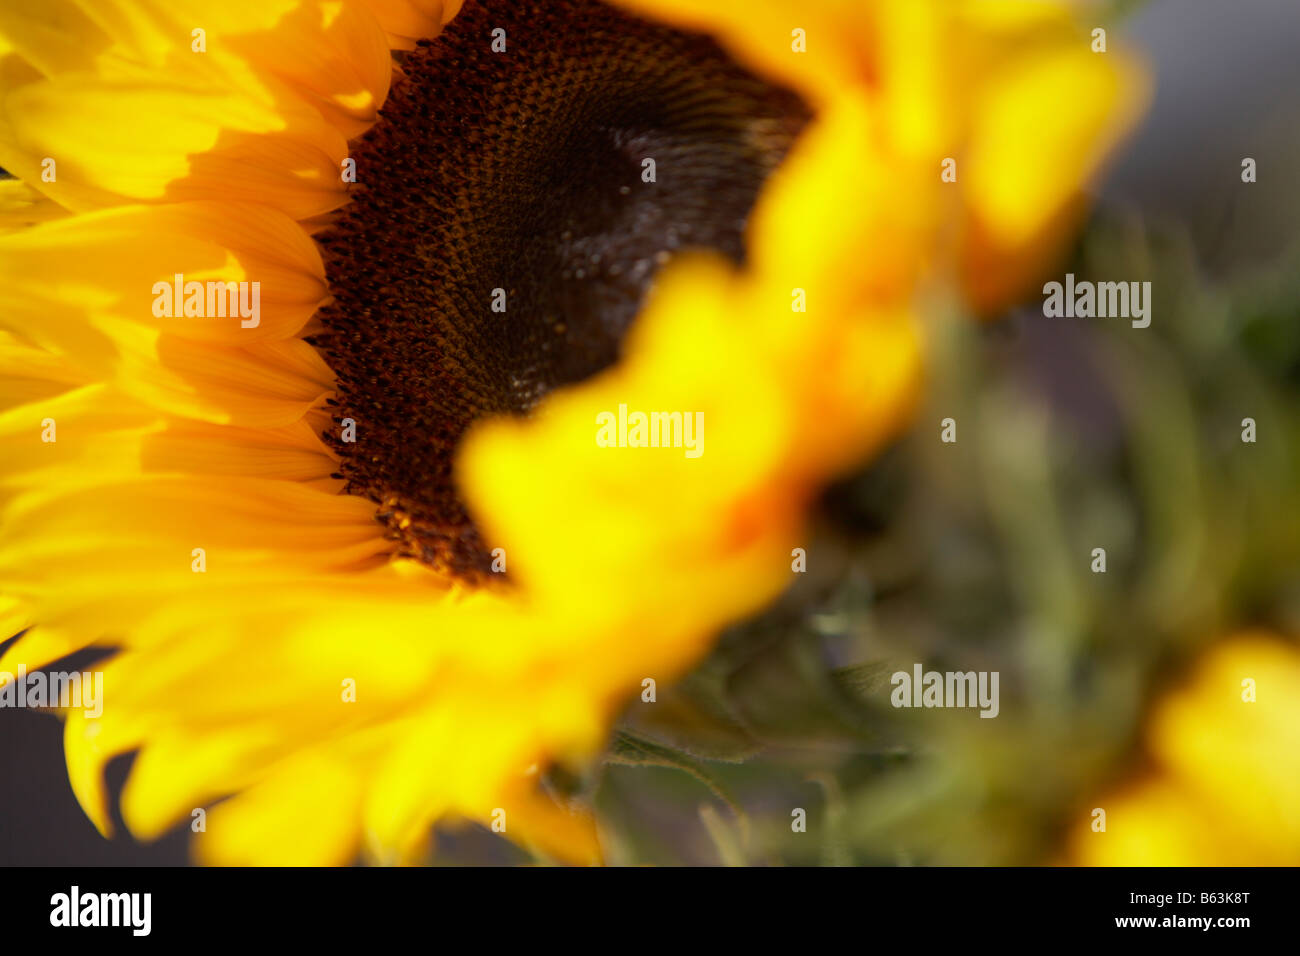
363 556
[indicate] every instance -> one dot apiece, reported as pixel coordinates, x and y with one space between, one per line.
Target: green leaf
629 749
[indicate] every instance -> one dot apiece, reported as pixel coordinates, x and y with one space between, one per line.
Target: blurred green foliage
1072 434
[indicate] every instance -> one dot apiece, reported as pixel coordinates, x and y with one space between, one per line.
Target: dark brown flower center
512 207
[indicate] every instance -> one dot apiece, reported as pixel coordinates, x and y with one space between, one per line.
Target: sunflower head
508 219
397 387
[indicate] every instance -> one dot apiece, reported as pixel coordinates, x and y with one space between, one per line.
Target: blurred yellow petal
264 827
1225 790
